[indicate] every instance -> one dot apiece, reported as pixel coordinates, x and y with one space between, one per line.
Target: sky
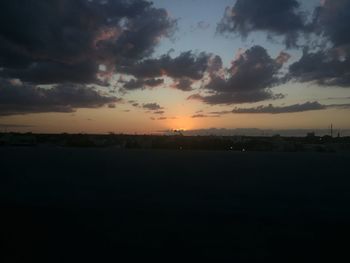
135 66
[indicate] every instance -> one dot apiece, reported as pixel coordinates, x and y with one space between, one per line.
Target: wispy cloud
307 106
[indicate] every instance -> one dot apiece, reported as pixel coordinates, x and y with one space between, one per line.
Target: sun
181 123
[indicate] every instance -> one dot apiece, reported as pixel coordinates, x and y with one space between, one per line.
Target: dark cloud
271 109
144 33
134 84
276 17
59 41
134 103
331 20
184 69
152 106
51 72
186 66
24 98
323 68
159 119
236 97
329 66
184 84
196 116
215 65
70 44
250 79
159 112
199 116
253 70
307 106
224 112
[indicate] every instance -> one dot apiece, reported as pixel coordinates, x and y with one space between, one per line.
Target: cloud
307 106
344 106
215 65
236 97
71 44
159 112
158 119
329 65
184 69
271 109
326 54
224 112
186 64
184 84
55 72
323 68
134 104
152 106
250 79
25 98
134 84
60 41
196 116
276 17
203 25
329 21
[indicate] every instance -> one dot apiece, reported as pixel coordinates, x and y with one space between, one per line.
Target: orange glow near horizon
181 123
137 122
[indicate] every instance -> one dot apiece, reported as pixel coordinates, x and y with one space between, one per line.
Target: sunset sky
124 66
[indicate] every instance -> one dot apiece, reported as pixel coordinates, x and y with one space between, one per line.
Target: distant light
231 148
243 150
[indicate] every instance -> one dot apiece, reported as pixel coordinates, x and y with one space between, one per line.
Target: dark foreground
101 205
